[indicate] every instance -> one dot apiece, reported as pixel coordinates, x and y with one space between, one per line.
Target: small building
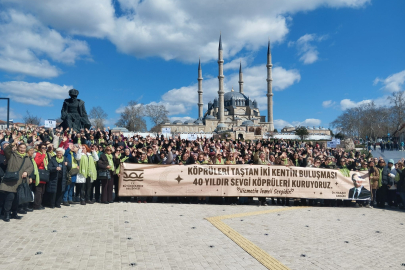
311 130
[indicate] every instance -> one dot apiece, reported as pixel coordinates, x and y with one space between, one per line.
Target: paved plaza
179 236
395 155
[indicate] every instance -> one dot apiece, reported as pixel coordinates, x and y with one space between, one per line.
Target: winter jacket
374 178
54 174
386 179
103 162
14 161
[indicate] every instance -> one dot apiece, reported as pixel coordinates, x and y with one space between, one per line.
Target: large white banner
241 180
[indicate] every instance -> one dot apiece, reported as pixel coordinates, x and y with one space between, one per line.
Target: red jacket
39 160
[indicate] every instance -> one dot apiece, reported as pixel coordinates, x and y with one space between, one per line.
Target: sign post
50 123
166 131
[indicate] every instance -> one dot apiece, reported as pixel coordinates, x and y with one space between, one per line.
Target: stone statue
74 115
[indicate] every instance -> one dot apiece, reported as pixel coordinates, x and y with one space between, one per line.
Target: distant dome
177 122
237 118
235 96
210 117
248 123
222 126
198 121
191 121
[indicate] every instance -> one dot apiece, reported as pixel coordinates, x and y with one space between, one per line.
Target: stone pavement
177 236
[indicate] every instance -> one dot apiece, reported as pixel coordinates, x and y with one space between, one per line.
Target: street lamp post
8 111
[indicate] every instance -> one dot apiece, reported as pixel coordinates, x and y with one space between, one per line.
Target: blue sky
328 55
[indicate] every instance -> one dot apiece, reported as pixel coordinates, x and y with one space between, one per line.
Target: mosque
232 112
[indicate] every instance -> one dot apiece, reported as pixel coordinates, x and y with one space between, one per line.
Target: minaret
269 90
221 83
240 79
200 91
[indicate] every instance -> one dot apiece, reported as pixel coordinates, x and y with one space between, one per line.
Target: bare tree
97 117
157 114
156 129
372 121
398 109
132 117
30 119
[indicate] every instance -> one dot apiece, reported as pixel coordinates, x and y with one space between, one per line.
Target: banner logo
133 175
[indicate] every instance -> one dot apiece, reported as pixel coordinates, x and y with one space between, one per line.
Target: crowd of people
386 145
65 167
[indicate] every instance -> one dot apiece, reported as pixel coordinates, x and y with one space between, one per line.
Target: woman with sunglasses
107 162
42 161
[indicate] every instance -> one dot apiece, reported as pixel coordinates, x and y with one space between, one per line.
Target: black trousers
10 201
96 187
39 192
85 190
382 194
117 198
107 187
57 197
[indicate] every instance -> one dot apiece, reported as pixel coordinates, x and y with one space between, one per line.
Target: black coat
102 162
52 185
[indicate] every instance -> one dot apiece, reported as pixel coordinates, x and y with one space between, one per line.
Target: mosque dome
177 122
248 123
191 121
234 95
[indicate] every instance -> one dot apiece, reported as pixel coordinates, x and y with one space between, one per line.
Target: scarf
46 161
110 161
84 165
59 160
92 169
117 171
285 161
21 155
74 162
35 172
221 162
345 171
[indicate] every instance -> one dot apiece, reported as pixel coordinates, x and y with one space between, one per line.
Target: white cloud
25 41
13 115
235 63
121 108
279 123
182 119
308 122
392 83
40 94
348 104
181 30
307 51
328 103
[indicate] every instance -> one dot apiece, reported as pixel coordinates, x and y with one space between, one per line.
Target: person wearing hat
387 180
73 113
